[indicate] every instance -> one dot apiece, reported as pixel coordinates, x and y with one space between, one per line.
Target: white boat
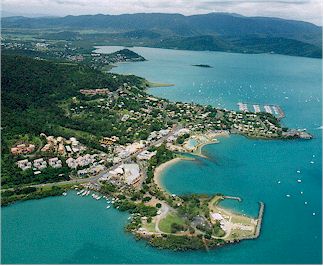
288 196
64 194
108 207
299 181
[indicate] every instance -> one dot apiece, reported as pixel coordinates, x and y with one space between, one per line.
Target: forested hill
214 31
32 90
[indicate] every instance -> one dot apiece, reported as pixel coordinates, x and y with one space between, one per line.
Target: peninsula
73 126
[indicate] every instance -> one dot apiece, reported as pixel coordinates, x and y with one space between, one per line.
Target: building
145 155
55 162
131 173
22 149
24 164
40 164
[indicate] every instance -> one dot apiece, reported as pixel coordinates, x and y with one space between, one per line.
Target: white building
131 173
145 155
24 164
40 163
55 162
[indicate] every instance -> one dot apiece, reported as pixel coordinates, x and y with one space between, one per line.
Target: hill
214 31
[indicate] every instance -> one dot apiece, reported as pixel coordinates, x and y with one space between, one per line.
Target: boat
288 196
64 194
299 180
108 207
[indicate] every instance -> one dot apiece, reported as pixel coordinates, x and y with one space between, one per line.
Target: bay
81 230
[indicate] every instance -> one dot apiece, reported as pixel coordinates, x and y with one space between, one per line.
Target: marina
257 108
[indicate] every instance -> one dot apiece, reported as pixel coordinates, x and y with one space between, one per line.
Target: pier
233 198
268 108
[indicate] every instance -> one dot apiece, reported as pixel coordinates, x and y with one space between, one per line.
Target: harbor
257 108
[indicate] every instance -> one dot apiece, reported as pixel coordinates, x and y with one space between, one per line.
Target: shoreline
161 168
197 152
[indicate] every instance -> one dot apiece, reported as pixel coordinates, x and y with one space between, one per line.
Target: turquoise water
81 230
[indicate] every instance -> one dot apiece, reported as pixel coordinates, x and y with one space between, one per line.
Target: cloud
307 10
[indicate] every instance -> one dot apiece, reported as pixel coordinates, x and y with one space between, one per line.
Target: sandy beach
158 171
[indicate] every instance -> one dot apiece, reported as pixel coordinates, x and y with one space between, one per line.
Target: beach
158 171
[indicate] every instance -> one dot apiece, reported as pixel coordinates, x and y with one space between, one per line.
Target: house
125 118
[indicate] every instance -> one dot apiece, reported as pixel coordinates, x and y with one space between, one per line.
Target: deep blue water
81 230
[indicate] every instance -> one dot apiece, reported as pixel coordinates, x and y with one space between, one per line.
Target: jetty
268 108
260 217
233 198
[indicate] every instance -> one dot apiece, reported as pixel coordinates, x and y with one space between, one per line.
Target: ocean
81 230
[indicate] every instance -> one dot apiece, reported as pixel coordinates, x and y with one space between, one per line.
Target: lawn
165 224
150 227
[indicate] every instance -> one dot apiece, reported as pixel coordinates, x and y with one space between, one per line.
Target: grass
238 234
150 227
165 224
241 219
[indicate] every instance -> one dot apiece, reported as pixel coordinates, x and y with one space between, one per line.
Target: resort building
24 164
40 164
22 149
55 162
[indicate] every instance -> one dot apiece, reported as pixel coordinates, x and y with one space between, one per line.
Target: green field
165 224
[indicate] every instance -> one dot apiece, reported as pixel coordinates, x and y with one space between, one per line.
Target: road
93 179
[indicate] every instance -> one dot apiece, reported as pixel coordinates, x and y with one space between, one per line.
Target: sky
306 10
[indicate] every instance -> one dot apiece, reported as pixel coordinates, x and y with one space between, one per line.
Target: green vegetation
182 243
27 193
108 188
172 223
162 155
32 92
181 139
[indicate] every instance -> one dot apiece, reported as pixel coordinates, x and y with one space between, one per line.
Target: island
74 127
202 65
